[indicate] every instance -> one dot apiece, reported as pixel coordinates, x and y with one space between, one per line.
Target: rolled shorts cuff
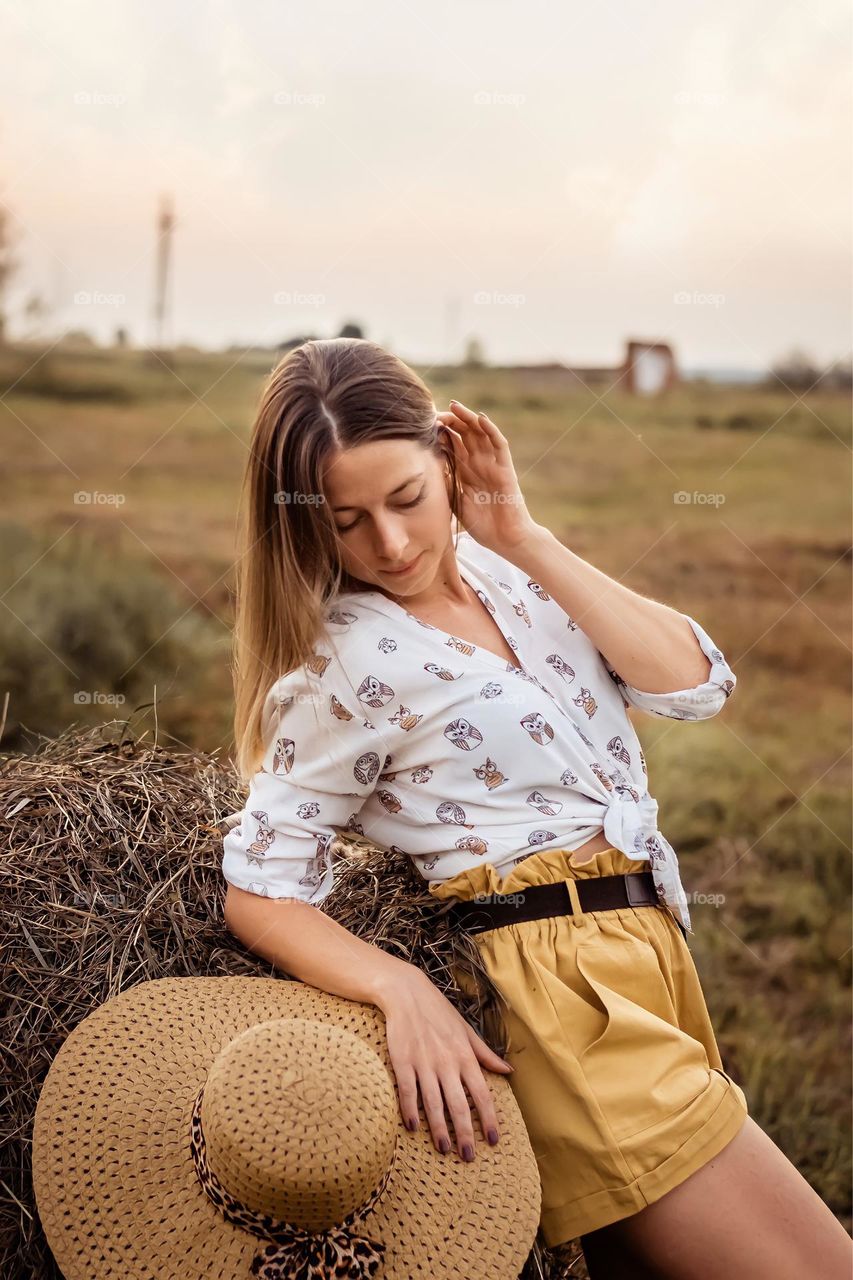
724 1108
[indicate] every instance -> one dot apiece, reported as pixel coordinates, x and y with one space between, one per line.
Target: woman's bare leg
748 1214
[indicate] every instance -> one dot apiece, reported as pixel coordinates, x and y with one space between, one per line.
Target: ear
446 443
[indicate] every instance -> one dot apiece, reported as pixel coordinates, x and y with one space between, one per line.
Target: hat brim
113 1175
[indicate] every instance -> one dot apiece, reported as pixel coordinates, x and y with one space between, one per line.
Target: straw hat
237 1127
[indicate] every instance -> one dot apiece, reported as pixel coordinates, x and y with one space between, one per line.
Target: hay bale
110 875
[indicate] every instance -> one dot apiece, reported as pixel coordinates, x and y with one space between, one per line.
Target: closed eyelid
343 528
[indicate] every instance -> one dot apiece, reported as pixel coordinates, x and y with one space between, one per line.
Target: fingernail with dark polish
411 1123
492 1135
467 1151
444 1145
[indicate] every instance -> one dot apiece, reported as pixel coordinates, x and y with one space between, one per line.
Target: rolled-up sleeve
323 757
699 703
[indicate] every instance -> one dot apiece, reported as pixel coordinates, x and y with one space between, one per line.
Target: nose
390 541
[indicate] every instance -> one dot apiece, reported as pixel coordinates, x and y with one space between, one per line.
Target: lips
404 568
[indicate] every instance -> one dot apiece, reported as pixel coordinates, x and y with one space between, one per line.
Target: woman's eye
345 528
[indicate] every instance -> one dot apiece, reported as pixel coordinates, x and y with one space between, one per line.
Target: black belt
533 902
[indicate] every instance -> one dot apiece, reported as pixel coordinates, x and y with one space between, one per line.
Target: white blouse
442 750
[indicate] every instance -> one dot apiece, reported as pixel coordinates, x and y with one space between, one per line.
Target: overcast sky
551 178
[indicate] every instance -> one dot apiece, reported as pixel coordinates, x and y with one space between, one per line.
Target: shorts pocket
626 987
636 1059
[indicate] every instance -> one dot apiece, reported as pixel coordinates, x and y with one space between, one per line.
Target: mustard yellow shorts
617 1071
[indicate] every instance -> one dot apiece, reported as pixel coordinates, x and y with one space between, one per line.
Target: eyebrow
418 476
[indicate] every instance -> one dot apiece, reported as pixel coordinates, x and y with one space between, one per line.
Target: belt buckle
634 888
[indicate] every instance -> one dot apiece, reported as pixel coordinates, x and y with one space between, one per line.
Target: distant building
648 368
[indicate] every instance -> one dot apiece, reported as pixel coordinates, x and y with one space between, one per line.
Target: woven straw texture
113 1124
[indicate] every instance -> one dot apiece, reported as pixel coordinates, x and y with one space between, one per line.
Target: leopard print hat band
290 1253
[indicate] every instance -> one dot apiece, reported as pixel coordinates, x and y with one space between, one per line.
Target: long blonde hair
322 396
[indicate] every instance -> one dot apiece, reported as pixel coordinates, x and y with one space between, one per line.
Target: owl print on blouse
463 734
587 701
388 800
283 755
319 864
537 589
651 846
442 672
454 814
366 768
373 692
520 611
490 774
538 728
561 667
619 751
405 718
338 710
265 835
600 773
450 812
484 599
317 663
537 838
341 617
472 844
550 808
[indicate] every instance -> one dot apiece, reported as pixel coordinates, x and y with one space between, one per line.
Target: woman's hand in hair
493 509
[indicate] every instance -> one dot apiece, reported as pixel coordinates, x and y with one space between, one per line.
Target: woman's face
389 502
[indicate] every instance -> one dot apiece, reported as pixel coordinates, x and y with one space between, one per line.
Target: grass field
117 596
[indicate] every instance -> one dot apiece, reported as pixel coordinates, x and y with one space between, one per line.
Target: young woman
461 697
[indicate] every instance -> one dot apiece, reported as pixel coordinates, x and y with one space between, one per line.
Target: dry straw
110 876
